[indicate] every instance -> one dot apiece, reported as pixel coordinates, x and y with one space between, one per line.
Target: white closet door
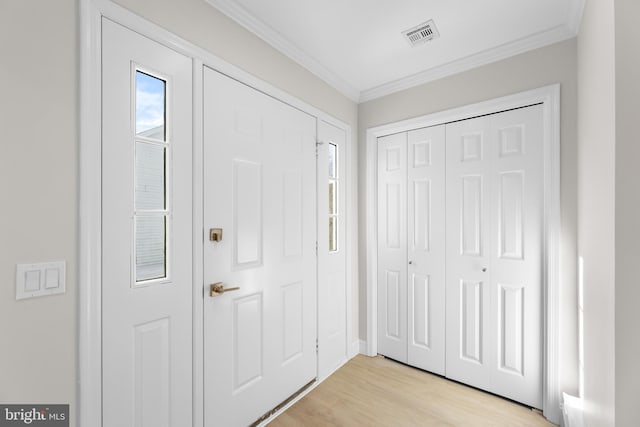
411 247
426 248
494 249
392 246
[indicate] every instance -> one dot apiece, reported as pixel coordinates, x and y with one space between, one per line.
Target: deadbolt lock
215 234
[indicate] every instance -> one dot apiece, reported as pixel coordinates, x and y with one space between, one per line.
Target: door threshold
283 403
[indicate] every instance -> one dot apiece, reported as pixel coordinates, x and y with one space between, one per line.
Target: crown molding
236 12
554 35
576 9
557 34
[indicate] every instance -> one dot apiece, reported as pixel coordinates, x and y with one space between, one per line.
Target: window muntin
151 190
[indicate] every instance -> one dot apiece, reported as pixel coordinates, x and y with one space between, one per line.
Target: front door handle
218 289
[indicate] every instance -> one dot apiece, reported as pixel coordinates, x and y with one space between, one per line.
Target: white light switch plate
36 280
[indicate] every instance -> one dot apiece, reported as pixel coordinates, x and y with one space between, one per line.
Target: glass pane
333 160
333 198
151 261
150 176
333 234
150 106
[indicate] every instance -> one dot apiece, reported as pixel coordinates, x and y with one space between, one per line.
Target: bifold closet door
392 246
411 247
494 249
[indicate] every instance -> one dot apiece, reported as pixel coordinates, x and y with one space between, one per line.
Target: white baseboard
572 411
363 347
355 349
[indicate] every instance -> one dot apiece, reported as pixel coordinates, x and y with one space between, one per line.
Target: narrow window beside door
333 197
152 211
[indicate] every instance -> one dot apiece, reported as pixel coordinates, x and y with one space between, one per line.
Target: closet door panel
392 246
494 250
426 248
516 274
468 330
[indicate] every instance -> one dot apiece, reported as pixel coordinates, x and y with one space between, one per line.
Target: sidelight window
152 210
333 197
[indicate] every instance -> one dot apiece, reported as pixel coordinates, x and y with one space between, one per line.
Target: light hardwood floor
374 391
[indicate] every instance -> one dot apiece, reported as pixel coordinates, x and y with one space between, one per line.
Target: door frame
89 314
549 96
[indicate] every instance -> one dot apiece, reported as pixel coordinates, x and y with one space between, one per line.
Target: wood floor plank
374 391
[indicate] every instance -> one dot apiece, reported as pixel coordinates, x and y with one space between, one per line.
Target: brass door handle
218 289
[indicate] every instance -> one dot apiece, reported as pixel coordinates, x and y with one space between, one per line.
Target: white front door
332 248
411 247
260 190
146 232
494 250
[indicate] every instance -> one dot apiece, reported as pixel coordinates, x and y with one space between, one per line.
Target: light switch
35 280
51 278
32 280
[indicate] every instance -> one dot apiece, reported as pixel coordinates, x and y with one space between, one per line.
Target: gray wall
39 167
38 186
627 204
596 204
548 65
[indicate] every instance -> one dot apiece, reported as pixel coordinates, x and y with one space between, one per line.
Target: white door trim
550 97
89 389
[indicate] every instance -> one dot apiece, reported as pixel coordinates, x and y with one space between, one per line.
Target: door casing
89 405
549 97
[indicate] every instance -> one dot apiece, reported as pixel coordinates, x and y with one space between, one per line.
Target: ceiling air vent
421 33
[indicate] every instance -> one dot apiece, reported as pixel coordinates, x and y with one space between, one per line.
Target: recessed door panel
421 311
421 219
394 212
471 215
292 213
511 140
511 216
293 321
511 334
152 373
422 153
247 209
471 147
471 328
393 308
247 341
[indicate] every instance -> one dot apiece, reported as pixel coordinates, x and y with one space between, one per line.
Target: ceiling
357 46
